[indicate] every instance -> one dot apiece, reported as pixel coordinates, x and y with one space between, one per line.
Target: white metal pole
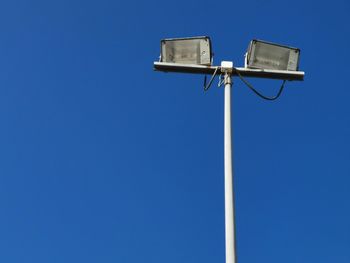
230 236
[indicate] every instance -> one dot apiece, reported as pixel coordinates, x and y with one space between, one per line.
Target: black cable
257 92
206 87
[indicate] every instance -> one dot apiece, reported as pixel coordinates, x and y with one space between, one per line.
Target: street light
266 55
190 50
263 60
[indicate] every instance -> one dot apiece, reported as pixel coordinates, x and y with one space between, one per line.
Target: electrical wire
206 87
221 81
257 92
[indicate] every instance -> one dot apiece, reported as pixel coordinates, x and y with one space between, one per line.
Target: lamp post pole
228 70
230 235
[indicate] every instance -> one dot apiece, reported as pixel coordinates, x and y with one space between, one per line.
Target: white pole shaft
229 198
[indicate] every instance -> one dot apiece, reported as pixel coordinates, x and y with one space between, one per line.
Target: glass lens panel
270 57
182 51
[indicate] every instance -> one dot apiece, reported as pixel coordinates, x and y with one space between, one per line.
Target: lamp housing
266 55
192 50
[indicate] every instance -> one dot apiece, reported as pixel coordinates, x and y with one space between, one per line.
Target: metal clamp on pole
227 69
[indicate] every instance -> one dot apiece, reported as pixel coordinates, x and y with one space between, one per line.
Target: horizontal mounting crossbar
245 72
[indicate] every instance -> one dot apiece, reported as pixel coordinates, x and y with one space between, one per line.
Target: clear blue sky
104 160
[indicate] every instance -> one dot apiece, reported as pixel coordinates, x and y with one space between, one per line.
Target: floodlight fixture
192 50
266 55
